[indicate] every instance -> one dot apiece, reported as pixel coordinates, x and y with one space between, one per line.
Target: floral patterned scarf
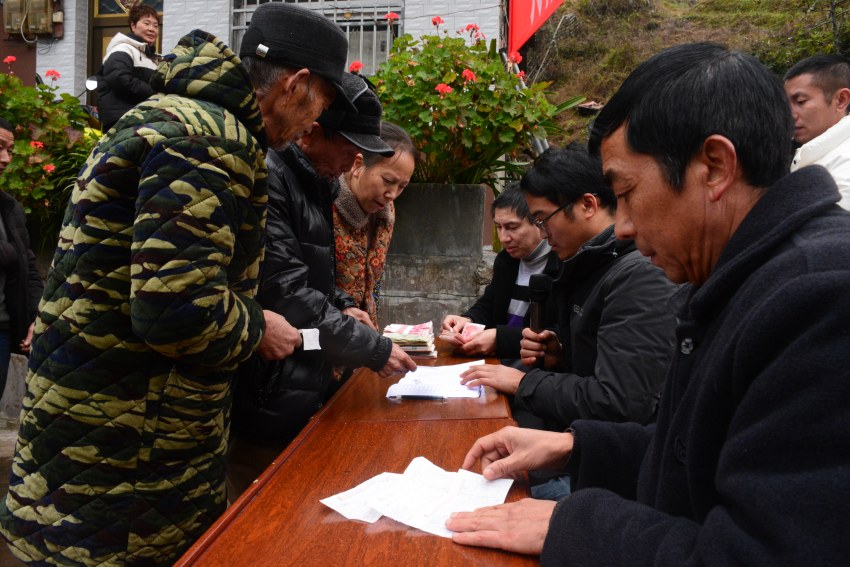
361 246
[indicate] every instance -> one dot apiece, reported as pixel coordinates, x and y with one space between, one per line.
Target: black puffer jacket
123 82
274 400
617 329
23 283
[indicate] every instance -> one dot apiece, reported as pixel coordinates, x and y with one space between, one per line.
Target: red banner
525 16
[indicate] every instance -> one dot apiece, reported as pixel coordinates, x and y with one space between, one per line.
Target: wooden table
280 521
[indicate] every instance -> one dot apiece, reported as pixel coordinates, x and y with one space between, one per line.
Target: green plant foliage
464 110
48 132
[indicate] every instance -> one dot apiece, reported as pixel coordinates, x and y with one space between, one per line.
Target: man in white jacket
818 90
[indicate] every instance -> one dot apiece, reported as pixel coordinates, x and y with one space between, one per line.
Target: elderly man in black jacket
20 283
748 461
274 400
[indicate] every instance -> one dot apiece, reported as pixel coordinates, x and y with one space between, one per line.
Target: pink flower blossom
437 21
515 57
355 67
468 76
472 27
443 89
36 144
49 168
52 74
10 59
392 16
521 75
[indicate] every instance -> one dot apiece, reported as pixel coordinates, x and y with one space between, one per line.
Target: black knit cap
298 37
363 127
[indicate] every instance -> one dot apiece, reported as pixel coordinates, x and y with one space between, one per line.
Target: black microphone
539 288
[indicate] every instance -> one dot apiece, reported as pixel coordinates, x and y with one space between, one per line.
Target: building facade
89 24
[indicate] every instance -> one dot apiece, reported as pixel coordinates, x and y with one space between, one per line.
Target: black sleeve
633 348
8 255
284 289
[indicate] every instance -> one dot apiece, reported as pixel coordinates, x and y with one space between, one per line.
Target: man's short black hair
829 72
672 102
511 198
564 175
4 125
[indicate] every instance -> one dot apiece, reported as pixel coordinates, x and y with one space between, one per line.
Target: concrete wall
435 264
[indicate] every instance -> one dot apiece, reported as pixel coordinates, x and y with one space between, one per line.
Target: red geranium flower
355 67
521 75
437 21
53 74
392 16
36 144
515 57
468 75
49 168
10 59
443 89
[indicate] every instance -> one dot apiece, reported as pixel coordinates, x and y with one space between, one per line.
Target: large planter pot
434 262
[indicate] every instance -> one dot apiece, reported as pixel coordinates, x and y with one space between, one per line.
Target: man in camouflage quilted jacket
149 305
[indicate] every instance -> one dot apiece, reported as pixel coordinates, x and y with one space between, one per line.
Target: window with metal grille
370 34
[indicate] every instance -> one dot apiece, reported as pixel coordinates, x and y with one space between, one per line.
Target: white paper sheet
354 503
436 382
423 497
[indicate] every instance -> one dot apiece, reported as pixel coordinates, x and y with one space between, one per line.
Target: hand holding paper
424 497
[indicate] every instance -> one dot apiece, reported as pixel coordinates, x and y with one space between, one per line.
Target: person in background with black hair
818 90
128 65
608 355
503 308
748 461
20 283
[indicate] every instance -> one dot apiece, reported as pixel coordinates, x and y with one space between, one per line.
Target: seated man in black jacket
503 309
274 400
610 354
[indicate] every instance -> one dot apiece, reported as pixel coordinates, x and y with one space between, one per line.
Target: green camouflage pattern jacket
147 310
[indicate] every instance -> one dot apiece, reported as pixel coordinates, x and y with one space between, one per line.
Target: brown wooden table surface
364 398
280 521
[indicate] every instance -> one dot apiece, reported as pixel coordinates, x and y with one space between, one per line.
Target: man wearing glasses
609 355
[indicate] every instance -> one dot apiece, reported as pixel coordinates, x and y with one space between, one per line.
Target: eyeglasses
541 223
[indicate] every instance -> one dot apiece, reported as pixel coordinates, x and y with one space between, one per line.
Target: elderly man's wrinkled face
667 226
291 105
7 141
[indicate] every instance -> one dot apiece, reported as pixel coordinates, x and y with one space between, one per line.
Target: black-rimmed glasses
541 223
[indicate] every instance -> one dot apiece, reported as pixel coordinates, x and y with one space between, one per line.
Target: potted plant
51 144
468 114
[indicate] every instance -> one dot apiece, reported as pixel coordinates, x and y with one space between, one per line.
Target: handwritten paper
423 497
435 382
